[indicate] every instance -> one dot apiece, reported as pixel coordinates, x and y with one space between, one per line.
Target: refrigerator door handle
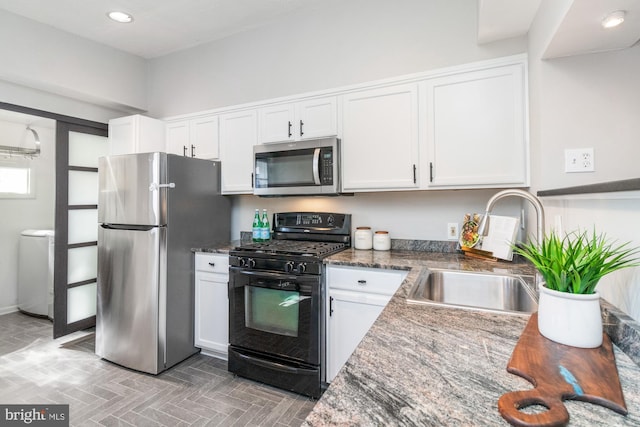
127 227
155 186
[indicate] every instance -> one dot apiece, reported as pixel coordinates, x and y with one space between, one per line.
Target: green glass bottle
257 227
265 234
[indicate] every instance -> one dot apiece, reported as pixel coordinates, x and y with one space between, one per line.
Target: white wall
339 43
581 102
21 214
40 57
584 101
421 215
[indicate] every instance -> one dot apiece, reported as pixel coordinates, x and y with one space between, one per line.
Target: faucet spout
483 227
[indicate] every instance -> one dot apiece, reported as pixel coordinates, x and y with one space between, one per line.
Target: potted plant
571 267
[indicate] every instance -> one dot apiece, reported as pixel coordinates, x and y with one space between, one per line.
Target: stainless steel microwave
303 168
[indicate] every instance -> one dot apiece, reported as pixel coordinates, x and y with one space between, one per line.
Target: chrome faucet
483 227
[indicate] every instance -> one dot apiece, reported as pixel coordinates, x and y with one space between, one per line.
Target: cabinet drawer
213 263
374 280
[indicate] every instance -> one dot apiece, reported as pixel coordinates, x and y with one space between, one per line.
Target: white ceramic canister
381 241
363 238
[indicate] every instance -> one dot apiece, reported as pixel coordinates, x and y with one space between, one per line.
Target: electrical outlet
452 231
578 160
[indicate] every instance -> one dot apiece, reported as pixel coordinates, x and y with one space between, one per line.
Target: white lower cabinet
356 297
212 304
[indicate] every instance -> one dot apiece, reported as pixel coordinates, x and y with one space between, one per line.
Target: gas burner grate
293 247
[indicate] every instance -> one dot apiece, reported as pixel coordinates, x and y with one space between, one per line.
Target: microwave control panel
326 166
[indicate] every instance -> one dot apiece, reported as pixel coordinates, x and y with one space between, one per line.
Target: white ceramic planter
570 319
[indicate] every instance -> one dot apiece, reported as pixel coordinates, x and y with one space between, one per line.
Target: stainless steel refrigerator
153 208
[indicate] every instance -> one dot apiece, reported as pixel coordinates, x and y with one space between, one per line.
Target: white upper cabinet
136 134
178 137
238 135
380 139
197 137
308 119
477 129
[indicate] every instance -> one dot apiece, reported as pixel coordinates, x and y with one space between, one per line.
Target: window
15 179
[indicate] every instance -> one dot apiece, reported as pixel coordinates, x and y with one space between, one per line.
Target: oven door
275 313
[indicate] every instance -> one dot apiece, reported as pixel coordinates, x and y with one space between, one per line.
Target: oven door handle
272 365
269 275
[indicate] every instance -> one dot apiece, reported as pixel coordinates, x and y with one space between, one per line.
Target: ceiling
579 31
162 26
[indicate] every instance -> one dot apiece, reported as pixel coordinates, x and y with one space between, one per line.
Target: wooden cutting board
559 372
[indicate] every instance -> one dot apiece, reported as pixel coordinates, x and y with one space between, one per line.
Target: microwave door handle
316 166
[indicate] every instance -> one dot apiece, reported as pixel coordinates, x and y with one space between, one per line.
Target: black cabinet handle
289 131
193 150
251 179
362 282
430 171
212 264
184 150
414 173
301 124
330 306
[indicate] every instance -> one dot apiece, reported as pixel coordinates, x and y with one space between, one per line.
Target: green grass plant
576 262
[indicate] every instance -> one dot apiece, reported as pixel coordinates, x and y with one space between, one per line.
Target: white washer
35 272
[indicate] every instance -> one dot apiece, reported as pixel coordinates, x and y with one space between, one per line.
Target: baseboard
9 309
214 353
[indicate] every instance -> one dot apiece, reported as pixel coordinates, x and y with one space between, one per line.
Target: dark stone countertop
428 365
602 187
220 248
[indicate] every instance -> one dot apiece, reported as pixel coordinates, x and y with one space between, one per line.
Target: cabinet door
316 118
238 135
178 137
204 138
136 134
477 129
380 139
351 315
277 123
212 312
122 135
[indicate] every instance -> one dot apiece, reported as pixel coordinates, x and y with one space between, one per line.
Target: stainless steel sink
501 293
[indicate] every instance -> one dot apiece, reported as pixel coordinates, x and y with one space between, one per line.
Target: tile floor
36 369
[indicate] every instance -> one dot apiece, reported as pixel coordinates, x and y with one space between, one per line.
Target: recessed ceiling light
120 17
613 19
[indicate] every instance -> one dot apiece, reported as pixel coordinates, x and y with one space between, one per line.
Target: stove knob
302 267
289 266
242 262
251 263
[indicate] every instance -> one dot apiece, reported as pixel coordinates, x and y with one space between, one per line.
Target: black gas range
276 301
300 241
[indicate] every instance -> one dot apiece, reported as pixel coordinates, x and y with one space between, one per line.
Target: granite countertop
217 248
428 365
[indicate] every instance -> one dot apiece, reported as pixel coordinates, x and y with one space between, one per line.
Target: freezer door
133 189
130 297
